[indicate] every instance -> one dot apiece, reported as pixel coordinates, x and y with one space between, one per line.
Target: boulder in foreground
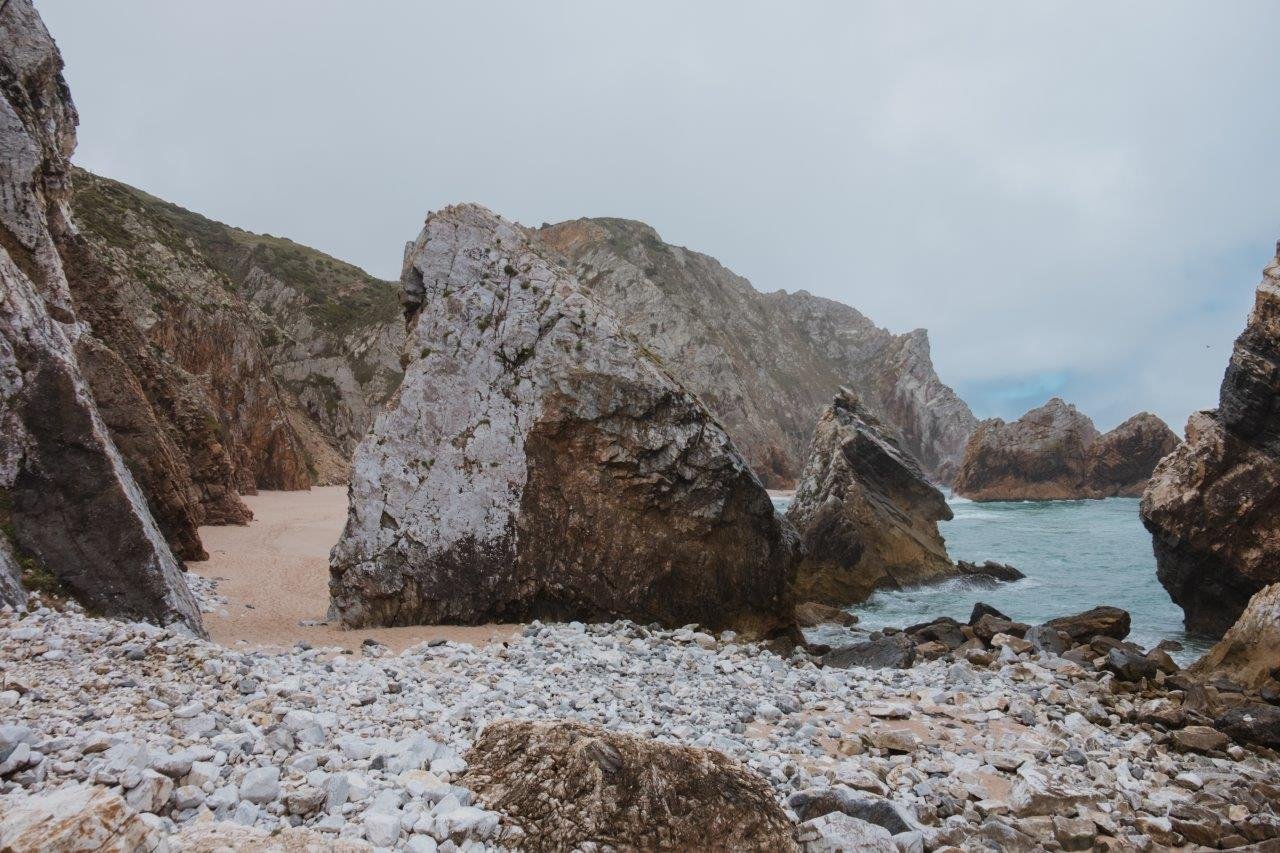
1213 506
538 462
566 783
865 512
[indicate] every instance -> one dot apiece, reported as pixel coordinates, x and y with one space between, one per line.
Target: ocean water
1075 554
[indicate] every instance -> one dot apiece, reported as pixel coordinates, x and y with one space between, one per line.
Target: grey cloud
1079 194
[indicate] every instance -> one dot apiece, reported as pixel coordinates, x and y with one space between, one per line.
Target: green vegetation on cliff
339 297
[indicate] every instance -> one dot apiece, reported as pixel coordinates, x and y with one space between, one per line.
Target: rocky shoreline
1020 749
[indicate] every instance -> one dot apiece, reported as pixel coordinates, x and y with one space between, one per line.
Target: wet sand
274 574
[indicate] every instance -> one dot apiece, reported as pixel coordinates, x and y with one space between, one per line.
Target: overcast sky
1074 198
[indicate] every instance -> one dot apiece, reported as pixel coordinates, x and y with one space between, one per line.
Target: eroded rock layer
1213 506
1055 453
765 363
865 512
75 513
536 461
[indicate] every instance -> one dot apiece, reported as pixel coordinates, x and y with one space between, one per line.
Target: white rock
261 785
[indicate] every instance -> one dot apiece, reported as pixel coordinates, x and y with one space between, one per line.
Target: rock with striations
1213 506
568 785
1249 653
318 337
766 364
537 462
1055 453
70 503
866 514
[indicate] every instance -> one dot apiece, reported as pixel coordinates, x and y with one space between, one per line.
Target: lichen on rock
538 462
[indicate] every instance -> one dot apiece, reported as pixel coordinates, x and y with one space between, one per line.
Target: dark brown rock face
320 336
1055 453
72 506
567 784
1213 505
866 514
537 462
1121 461
766 364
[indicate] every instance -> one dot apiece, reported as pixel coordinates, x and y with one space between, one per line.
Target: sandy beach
274 573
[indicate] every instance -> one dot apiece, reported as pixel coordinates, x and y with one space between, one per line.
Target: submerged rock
537 461
566 784
1055 453
1249 653
1213 506
75 512
990 570
866 514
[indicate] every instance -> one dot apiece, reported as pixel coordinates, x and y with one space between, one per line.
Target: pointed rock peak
538 462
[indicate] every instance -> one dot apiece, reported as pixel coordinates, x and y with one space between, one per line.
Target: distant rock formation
866 514
765 363
75 514
1213 506
1249 653
538 462
1055 453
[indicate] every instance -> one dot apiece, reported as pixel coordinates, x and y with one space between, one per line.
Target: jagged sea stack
1055 453
1213 505
538 462
866 514
70 504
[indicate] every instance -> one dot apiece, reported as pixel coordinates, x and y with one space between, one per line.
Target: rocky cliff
538 462
866 514
1213 506
261 361
71 510
765 364
1055 453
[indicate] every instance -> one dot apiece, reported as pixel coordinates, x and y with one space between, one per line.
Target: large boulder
1249 653
566 784
1213 505
866 514
72 507
538 462
1055 453
75 817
